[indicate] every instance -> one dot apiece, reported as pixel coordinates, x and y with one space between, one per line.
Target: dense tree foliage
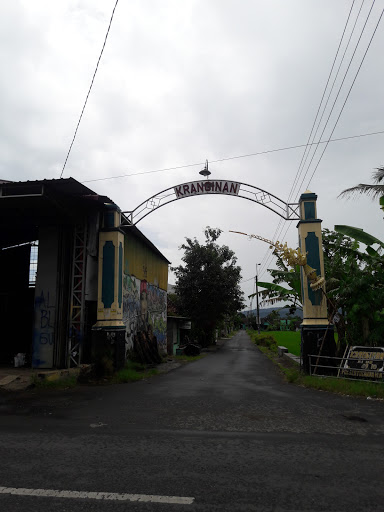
207 285
355 286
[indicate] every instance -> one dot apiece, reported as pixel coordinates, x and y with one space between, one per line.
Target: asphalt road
225 431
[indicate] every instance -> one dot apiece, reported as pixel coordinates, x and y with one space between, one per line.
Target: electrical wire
89 90
338 93
346 99
329 95
139 173
322 98
362 31
280 226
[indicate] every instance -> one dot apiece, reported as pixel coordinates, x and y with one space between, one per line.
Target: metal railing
346 368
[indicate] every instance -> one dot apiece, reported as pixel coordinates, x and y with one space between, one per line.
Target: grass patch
289 339
188 358
343 386
60 383
132 372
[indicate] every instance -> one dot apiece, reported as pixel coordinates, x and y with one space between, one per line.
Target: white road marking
52 493
96 425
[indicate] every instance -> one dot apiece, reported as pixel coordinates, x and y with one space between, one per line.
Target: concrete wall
45 299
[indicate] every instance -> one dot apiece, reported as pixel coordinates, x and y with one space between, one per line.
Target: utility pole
257 302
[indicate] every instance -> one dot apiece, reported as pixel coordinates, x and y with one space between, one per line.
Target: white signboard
195 188
364 363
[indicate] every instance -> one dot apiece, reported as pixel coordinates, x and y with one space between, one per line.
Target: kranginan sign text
364 363
195 188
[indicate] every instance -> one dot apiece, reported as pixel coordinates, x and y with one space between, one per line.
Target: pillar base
108 347
312 342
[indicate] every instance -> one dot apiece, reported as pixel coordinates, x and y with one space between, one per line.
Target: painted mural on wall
144 307
157 314
131 308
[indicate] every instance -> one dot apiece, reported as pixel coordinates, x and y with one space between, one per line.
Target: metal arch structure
287 211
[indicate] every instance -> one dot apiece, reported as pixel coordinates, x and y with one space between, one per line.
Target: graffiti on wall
144 307
157 314
131 308
43 338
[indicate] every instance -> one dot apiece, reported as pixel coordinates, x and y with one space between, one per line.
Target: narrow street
224 433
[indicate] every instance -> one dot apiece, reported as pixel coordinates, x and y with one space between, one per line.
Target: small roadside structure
178 332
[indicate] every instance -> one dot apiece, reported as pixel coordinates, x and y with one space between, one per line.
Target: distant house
178 326
96 283
285 324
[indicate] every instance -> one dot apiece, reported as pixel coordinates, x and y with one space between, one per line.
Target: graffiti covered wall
144 292
144 306
157 315
131 308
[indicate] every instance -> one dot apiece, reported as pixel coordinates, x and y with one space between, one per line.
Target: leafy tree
375 190
355 286
274 320
207 284
173 306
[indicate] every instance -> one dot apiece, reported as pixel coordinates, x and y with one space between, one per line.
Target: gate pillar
317 336
109 331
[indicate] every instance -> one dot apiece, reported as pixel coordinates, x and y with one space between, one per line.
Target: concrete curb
21 379
288 355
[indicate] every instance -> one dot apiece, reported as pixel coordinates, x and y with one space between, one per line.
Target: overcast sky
184 81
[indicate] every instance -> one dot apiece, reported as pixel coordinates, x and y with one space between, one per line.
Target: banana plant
274 292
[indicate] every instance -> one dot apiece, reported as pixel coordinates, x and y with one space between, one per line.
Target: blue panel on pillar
313 260
109 219
108 281
309 210
120 290
301 276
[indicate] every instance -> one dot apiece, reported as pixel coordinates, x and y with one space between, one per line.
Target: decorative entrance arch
317 333
288 211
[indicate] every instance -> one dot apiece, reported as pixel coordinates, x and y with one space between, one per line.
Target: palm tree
374 190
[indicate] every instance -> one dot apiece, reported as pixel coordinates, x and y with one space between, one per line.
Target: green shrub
264 340
67 382
133 372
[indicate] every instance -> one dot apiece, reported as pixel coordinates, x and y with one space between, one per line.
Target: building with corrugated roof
94 285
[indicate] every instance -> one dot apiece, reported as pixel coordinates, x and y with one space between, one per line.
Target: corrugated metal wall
140 261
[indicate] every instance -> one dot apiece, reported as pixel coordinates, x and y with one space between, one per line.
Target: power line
334 104
342 108
89 90
280 226
322 98
139 173
346 99
338 93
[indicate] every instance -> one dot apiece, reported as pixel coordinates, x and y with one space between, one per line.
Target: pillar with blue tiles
316 332
109 331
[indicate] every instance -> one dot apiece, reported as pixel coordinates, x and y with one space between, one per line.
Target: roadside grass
60 383
132 372
292 373
188 358
263 340
289 339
